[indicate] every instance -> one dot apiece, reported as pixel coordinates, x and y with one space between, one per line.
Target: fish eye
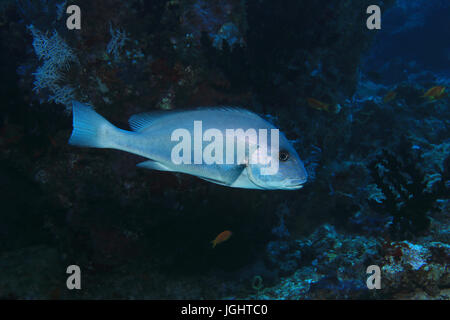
283 156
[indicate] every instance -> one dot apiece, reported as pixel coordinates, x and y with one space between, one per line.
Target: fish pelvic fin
89 128
214 243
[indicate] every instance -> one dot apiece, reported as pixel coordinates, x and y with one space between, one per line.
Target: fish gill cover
366 110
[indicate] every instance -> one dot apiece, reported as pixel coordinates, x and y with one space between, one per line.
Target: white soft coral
57 56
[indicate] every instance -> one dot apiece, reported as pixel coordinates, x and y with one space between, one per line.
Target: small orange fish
391 95
318 105
224 236
435 93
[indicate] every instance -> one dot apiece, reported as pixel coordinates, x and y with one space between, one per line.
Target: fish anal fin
153 165
214 181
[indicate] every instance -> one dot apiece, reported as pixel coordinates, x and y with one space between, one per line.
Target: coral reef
334 267
377 155
409 267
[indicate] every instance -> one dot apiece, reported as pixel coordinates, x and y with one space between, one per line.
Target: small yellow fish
318 105
391 95
435 93
223 236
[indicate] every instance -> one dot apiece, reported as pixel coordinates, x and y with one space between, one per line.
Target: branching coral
64 95
118 38
46 76
57 56
51 48
407 193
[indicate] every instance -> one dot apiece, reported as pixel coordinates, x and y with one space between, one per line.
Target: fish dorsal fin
141 121
233 109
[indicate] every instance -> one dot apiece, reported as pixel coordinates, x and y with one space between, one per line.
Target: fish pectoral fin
228 177
153 165
232 174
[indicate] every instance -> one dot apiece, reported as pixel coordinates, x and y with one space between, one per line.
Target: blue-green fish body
154 137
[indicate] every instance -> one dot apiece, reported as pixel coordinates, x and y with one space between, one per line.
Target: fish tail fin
89 128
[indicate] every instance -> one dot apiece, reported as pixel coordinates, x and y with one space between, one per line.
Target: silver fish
152 138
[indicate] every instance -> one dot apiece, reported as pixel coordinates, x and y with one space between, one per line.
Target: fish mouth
293 184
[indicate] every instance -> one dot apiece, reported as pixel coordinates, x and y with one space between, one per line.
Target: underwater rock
409 267
228 33
283 256
334 267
